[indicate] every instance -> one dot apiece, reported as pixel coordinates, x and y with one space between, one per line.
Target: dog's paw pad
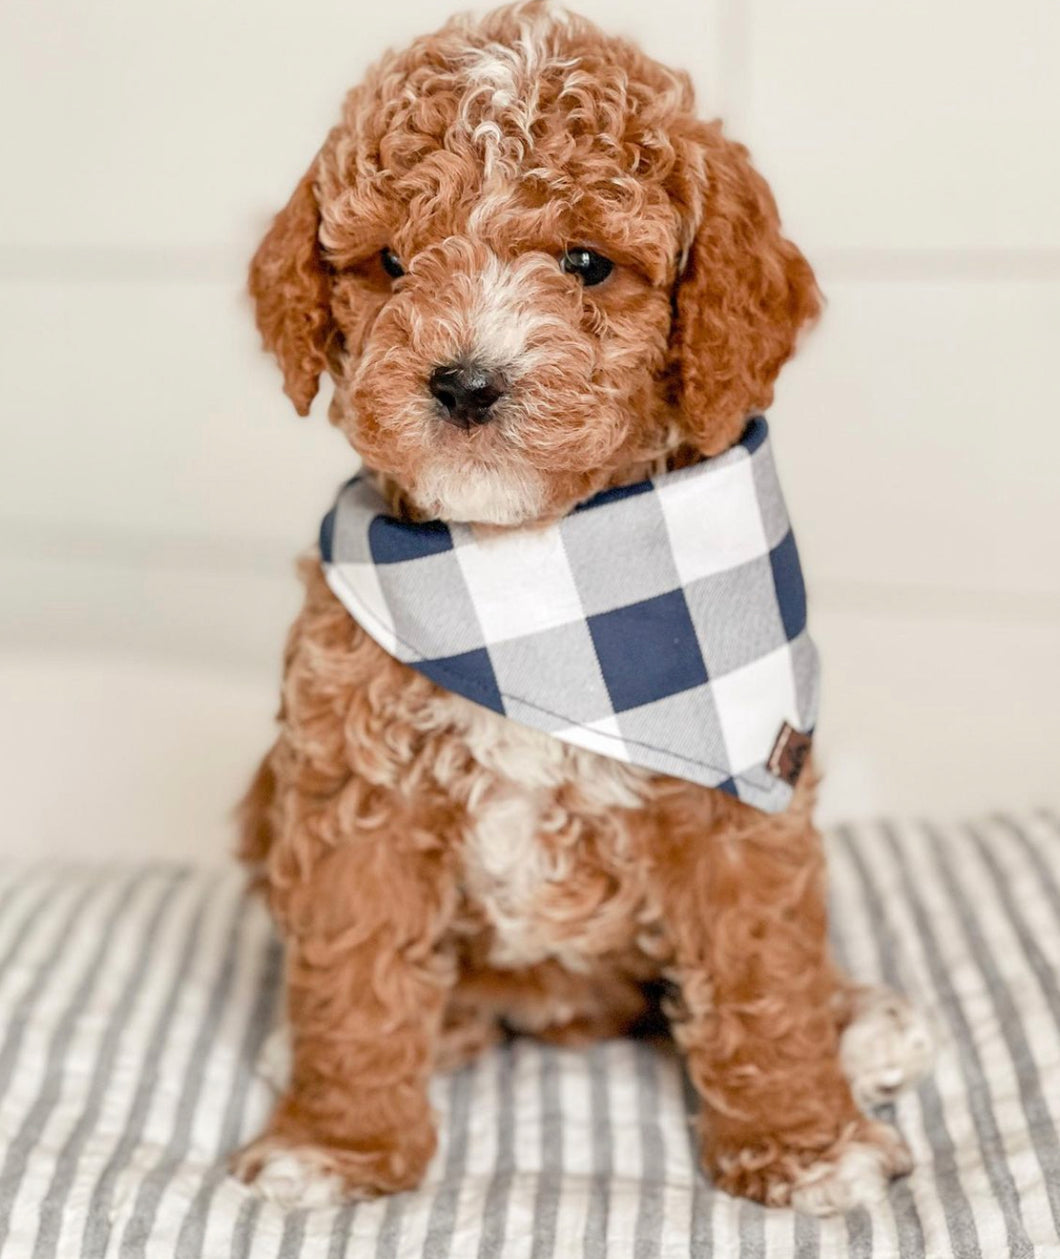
887 1047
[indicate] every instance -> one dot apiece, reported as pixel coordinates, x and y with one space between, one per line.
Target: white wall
154 484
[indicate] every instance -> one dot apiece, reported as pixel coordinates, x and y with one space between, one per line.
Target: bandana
662 624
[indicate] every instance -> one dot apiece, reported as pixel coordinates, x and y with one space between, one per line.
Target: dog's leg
744 898
368 980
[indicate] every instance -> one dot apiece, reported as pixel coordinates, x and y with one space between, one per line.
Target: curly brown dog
530 195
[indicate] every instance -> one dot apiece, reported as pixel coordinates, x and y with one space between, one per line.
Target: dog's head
530 271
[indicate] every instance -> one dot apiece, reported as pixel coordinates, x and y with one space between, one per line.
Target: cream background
154 484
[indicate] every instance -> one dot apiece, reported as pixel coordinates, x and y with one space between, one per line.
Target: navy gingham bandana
662 623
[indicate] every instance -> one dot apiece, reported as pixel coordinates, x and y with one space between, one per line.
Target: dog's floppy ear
289 287
742 296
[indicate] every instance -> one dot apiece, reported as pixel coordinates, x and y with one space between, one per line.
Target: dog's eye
392 264
591 268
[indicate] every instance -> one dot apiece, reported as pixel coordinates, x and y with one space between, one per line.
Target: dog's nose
466 391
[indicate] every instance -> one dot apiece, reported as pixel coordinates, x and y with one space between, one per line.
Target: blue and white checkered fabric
662 624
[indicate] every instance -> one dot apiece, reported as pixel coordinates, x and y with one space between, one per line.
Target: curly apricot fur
438 872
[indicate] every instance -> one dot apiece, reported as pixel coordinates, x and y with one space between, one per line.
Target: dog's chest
548 855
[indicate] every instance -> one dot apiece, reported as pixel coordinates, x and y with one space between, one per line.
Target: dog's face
530 271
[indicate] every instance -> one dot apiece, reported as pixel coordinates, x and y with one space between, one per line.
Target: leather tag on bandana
789 754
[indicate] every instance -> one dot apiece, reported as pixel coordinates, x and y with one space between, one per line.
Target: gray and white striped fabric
134 1004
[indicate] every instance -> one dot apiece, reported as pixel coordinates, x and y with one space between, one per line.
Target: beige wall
154 484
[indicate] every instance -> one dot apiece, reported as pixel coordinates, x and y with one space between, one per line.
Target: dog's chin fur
478 494
438 872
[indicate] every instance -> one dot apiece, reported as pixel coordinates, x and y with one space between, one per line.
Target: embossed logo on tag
789 754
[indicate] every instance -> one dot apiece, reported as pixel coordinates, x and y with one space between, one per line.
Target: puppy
529 202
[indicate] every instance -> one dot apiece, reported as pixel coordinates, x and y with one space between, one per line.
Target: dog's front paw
887 1047
855 1173
852 1171
295 1173
290 1176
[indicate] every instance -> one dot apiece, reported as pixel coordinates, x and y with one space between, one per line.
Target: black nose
466 391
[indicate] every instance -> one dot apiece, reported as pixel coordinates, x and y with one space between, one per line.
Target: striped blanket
135 1003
